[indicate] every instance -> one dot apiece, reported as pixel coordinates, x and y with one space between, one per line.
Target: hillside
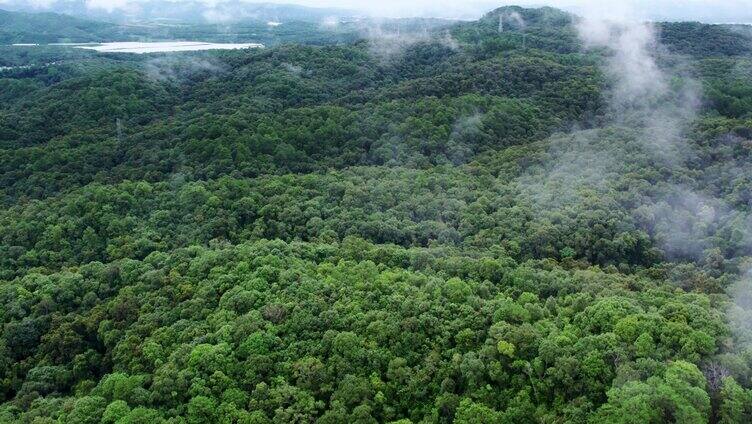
489 222
21 27
189 11
247 26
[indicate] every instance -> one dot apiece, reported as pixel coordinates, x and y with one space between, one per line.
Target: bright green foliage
456 231
505 348
87 410
115 411
308 358
677 397
469 413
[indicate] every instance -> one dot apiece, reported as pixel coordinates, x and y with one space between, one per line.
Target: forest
518 219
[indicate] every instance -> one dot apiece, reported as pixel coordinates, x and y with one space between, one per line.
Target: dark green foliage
20 27
451 227
701 40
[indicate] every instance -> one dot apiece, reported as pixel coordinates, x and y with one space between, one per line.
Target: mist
661 103
726 11
180 68
388 40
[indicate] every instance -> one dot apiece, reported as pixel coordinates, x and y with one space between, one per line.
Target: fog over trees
529 217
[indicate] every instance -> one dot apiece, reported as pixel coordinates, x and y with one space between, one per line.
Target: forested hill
188 11
52 28
703 40
490 222
20 27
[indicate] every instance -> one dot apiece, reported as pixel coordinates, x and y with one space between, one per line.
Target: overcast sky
706 10
701 10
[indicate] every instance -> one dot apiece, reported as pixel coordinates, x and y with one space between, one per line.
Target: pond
164 46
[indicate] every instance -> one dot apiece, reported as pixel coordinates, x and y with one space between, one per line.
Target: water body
165 46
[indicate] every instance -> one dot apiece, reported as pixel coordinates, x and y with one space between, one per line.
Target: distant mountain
22 27
47 27
537 25
190 11
266 27
699 39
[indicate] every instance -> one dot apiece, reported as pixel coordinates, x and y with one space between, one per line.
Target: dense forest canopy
512 220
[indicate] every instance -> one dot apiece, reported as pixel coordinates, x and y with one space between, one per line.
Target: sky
705 10
738 11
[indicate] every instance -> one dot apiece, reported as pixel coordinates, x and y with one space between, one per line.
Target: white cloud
707 10
217 16
40 4
113 5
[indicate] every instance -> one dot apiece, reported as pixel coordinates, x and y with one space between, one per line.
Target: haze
672 10
724 11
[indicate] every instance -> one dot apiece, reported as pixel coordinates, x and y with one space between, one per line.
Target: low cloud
111 6
738 11
178 69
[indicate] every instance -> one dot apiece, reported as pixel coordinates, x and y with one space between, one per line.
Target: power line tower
119 127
